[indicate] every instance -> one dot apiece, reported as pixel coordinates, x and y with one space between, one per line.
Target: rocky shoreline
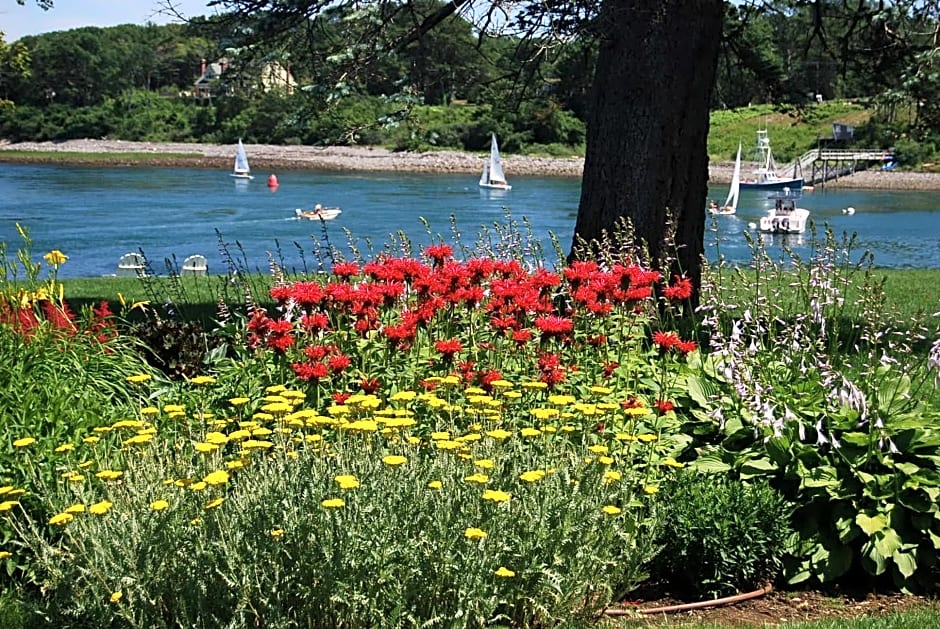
271 158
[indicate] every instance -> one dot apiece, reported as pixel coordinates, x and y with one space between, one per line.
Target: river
96 214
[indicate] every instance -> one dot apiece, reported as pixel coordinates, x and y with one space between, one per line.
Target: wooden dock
826 164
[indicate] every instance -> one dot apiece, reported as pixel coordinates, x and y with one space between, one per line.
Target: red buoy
272 181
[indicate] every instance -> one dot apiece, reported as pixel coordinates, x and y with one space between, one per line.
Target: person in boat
317 209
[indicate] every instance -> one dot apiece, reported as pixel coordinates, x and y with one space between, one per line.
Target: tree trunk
646 156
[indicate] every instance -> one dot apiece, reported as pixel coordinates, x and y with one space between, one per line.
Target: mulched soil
778 607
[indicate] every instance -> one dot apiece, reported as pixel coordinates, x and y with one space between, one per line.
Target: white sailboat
241 170
493 176
731 203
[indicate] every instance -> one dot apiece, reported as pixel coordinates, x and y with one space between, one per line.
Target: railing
807 161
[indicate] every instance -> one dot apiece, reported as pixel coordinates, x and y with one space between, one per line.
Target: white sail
241 170
496 164
493 176
731 203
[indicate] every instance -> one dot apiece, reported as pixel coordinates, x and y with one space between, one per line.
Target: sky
28 19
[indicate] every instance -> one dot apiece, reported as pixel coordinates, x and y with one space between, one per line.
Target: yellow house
272 77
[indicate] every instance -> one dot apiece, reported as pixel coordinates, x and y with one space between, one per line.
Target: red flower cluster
670 340
26 320
448 348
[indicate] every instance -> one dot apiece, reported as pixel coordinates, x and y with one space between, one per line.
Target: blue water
95 215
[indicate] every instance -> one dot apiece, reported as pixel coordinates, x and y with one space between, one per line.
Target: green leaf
838 563
701 391
906 563
871 525
757 467
778 449
887 542
710 463
872 560
935 539
824 476
855 438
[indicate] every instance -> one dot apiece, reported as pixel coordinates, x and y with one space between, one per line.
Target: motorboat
318 213
784 217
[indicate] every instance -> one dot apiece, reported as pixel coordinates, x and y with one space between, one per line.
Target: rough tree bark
648 124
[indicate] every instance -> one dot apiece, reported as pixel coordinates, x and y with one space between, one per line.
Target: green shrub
720 535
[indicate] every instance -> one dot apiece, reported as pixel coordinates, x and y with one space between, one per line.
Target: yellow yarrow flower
333 503
505 572
24 442
651 489
159 505
206 447
5 554
238 401
535 385
139 378
561 400
435 484
65 447
599 449
201 380
109 474
530 432
612 476
6 505
116 596
486 464
532 476
475 533
76 508
61 519
277 533
611 510
138 440
601 390
347 481
496 495
478 478
499 434
671 462
212 504
647 438
100 508
394 460
218 477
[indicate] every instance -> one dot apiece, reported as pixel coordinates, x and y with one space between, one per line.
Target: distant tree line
450 87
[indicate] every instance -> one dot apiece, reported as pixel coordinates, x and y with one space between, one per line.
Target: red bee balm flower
554 326
680 290
448 348
666 340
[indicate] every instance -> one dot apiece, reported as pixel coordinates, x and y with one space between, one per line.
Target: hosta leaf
887 542
838 563
757 467
824 476
872 560
871 525
906 563
710 463
702 391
